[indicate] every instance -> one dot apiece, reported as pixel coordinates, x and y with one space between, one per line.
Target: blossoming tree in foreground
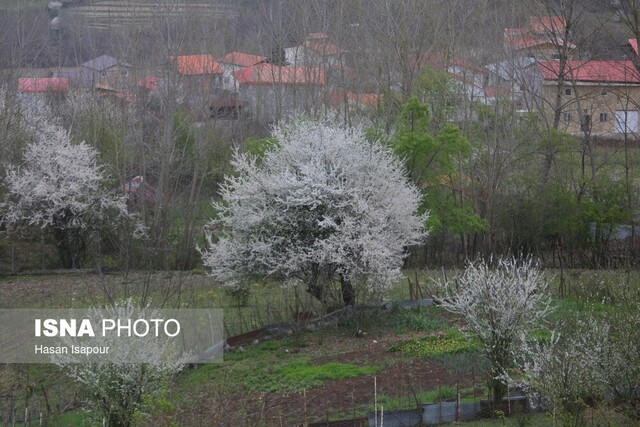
322 207
501 303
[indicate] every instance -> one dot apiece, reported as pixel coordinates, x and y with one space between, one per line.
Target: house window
567 117
603 117
627 121
124 73
556 56
567 91
603 92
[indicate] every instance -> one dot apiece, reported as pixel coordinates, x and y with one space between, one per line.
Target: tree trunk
348 294
64 251
317 291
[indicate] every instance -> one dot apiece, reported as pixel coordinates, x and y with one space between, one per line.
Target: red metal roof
39 85
242 59
634 45
592 71
268 74
189 65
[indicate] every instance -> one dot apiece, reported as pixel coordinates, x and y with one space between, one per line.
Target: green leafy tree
435 164
440 93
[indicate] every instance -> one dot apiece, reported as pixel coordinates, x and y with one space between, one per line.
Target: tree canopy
323 205
60 188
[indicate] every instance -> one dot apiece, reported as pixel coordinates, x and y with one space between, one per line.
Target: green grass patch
298 374
422 319
304 375
568 307
71 419
273 349
433 346
268 367
398 320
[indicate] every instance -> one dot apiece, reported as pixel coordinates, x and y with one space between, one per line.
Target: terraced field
100 14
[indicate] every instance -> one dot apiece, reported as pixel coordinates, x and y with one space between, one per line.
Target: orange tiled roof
197 65
269 74
242 59
517 38
547 25
540 31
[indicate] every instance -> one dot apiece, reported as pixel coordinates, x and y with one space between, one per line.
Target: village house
79 78
543 39
149 92
108 73
271 92
235 61
37 92
470 81
199 77
511 78
316 51
342 104
198 73
600 97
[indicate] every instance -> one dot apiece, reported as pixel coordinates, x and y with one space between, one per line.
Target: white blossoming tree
138 372
323 206
591 356
565 372
500 303
59 188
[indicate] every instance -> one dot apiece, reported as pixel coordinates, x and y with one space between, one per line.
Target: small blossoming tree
323 205
137 374
59 188
563 373
500 303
